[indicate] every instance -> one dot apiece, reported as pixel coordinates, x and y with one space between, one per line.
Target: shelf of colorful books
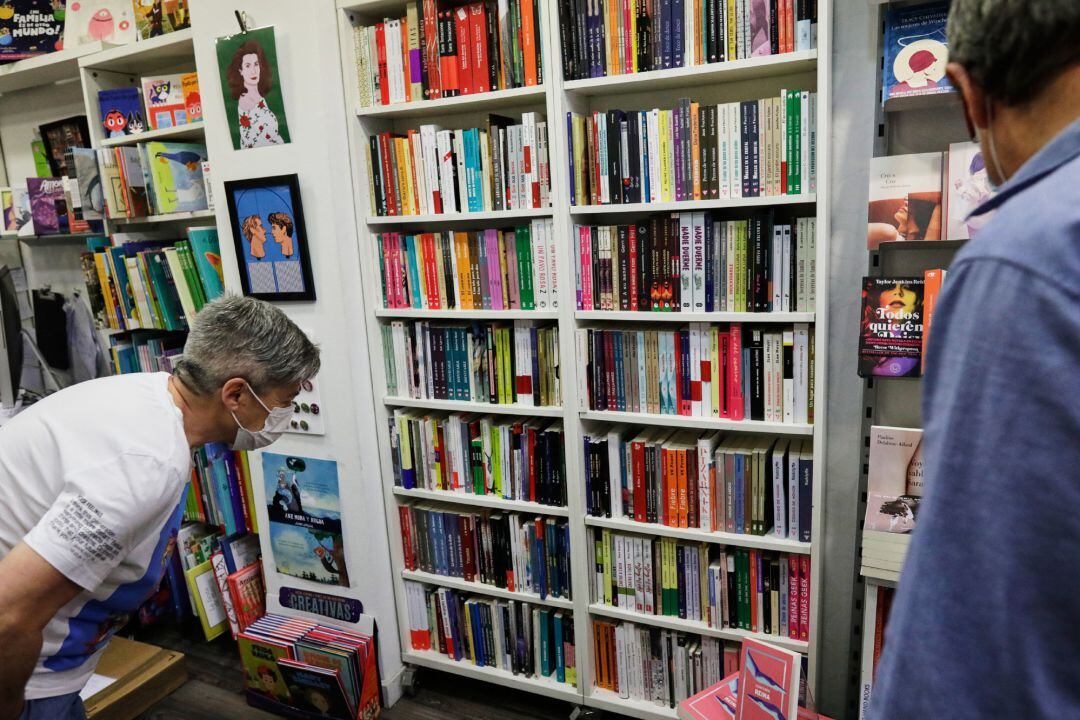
693 317
190 131
424 314
935 101
485 589
137 58
539 685
693 205
475 102
169 217
448 218
488 501
703 423
697 75
692 626
46 69
759 542
476 407
643 709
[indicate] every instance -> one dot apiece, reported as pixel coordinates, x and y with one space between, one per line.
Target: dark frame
80 122
293 183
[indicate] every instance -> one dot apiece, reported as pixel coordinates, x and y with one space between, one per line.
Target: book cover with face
905 199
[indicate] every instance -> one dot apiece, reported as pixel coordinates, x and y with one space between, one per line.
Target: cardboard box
141 676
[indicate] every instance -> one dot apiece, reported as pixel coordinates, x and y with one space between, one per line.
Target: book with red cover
466 84
719 702
768 682
479 47
248 593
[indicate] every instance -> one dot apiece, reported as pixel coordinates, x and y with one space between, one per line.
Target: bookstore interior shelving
737 80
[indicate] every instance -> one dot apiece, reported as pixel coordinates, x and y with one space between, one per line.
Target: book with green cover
191 275
164 291
525 265
207 255
176 171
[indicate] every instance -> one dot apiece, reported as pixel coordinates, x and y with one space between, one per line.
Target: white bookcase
737 80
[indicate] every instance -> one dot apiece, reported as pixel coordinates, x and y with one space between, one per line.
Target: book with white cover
895 479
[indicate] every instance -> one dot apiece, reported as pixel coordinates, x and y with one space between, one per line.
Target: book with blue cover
121 111
916 51
176 174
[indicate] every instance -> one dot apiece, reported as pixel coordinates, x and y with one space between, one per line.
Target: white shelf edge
461 103
129 51
438 661
46 68
483 589
467 314
168 217
754 426
486 501
691 626
195 128
642 709
694 205
758 542
450 218
465 406
693 317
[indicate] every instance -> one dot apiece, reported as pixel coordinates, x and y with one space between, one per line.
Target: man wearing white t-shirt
92 483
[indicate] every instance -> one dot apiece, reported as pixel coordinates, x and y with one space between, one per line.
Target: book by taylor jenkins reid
890 338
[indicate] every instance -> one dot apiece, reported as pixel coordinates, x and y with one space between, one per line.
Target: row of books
439 50
479 455
509 551
169 101
220 492
754 486
470 270
663 667
432 171
507 635
695 151
151 178
693 262
151 280
144 352
615 37
314 668
728 371
507 364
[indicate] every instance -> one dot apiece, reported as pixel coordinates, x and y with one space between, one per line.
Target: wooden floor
214 690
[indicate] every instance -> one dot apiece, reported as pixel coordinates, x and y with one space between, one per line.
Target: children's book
176 176
158 17
967 186
204 246
316 690
29 28
164 99
890 340
247 591
121 111
22 216
47 205
916 51
7 225
110 21
207 597
189 83
894 484
88 176
768 685
259 656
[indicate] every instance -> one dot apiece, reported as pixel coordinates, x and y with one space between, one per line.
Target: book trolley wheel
410 680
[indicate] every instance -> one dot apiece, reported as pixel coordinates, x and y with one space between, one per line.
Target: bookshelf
722 82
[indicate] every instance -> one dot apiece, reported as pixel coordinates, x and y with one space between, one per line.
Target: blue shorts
61 707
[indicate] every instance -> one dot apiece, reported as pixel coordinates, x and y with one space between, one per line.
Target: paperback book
967 187
916 51
905 199
894 484
48 205
891 334
768 682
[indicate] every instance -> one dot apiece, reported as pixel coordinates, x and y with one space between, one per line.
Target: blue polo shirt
985 621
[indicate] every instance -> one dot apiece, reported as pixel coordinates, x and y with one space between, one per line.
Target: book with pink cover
768 682
718 702
894 483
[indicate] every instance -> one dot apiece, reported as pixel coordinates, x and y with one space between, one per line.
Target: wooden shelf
467 314
697 75
484 589
693 205
46 69
180 132
495 100
487 501
750 426
474 407
759 542
692 317
451 218
145 56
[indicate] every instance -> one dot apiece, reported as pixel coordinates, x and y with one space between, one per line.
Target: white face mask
991 148
272 428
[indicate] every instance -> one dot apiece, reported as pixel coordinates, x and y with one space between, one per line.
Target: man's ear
232 391
972 95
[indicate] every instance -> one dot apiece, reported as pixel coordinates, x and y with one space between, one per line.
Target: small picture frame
58 136
267 219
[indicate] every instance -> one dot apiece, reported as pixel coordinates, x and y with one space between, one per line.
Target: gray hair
1014 48
248 338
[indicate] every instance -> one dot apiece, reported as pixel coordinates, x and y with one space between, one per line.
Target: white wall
310 76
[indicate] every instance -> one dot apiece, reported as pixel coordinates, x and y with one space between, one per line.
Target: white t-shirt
93 478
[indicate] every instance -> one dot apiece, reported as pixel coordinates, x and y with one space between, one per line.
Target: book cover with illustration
894 485
916 51
204 246
768 682
259 656
905 199
29 28
91 194
316 690
176 176
719 702
890 337
110 21
47 205
22 217
189 84
164 99
967 186
304 508
7 204
121 111
159 17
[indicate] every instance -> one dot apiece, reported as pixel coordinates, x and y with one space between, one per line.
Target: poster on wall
251 85
303 505
267 221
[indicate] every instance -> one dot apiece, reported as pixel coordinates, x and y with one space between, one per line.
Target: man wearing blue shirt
984 624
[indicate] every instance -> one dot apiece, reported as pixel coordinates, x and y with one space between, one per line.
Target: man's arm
31 593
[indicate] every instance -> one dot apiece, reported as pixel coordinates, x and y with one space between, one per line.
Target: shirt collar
1062 149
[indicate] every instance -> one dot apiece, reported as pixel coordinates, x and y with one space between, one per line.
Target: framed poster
251 86
271 243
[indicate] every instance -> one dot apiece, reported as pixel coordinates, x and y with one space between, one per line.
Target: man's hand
31 592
